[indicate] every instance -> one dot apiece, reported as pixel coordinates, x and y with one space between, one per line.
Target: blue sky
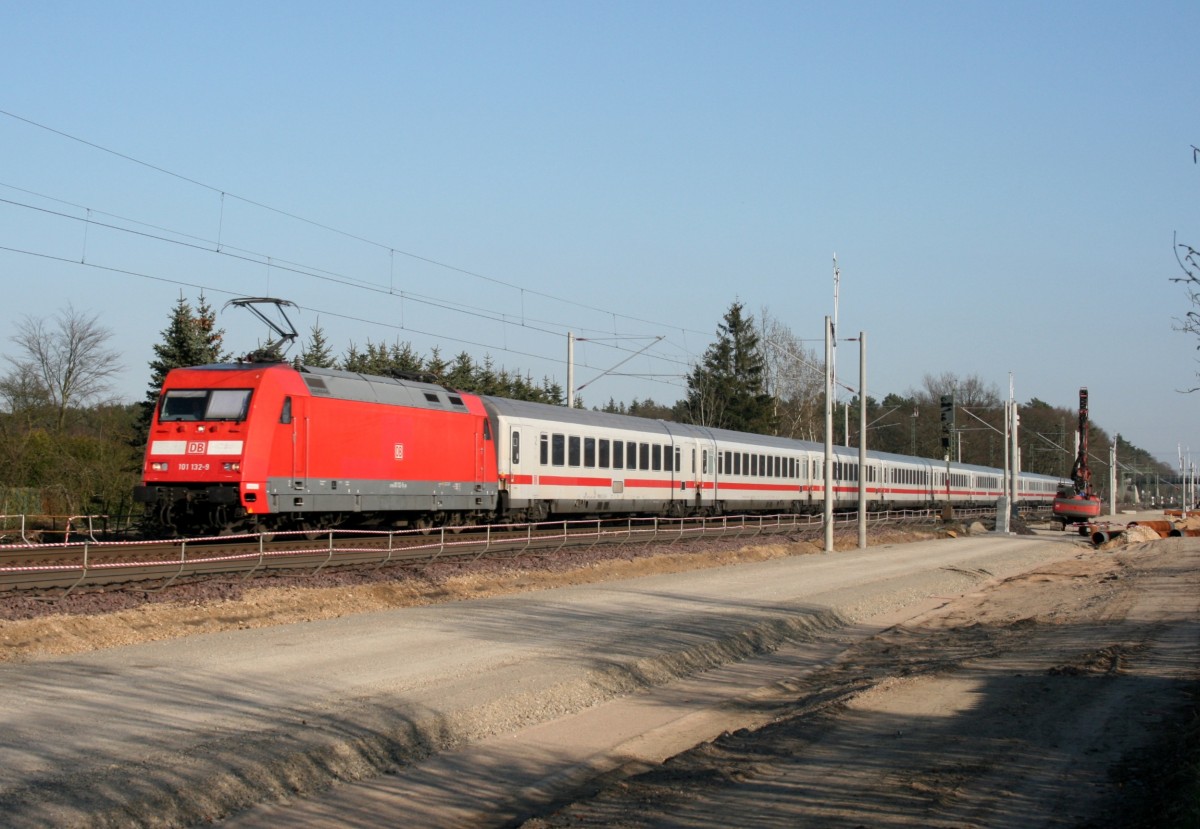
999 181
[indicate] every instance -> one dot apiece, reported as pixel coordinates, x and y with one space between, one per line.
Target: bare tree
1189 263
65 362
970 391
795 379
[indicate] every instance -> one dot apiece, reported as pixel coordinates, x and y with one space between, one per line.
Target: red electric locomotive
253 446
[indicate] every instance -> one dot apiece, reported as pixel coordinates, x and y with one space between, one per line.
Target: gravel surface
317 733
1068 696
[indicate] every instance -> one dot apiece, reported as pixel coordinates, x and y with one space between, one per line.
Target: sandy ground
31 628
1063 697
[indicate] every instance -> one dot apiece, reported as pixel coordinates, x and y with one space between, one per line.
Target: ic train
271 446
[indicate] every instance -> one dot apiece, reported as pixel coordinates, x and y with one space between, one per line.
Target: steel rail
70 565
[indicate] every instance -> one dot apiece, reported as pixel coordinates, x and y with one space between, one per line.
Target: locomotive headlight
159 466
231 466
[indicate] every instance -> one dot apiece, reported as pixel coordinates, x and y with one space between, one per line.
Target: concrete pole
570 370
862 440
828 435
1112 479
1016 458
1008 448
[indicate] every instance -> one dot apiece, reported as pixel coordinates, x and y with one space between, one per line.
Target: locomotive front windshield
204 404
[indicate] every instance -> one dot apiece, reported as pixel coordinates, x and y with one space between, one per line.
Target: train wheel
222 523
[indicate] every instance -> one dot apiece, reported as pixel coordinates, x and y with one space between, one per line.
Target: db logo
196 447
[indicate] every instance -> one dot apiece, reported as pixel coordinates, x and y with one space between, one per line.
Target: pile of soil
80 621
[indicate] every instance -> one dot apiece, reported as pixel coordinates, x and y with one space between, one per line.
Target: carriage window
558 445
631 452
643 456
286 415
573 450
589 452
545 449
737 463
604 449
516 447
754 464
656 455
618 454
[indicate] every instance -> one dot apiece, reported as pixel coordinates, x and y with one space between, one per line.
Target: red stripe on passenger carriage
566 480
732 486
759 487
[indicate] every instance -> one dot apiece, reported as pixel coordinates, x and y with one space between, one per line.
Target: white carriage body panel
575 461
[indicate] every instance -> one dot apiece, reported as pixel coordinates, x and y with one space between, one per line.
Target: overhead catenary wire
392 249
274 263
320 311
207 246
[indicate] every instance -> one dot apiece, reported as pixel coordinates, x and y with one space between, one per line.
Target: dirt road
1037 684
1063 697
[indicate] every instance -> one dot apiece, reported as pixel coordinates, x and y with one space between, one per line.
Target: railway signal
947 420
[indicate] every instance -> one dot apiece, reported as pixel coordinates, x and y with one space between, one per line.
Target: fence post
82 573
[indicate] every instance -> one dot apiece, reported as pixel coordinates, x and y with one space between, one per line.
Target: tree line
67 448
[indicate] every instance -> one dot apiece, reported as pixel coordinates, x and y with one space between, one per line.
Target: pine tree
436 365
462 372
317 353
211 337
191 338
727 390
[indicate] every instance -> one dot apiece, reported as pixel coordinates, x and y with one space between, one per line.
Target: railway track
60 568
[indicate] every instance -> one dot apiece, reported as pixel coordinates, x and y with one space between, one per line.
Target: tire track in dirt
1025 704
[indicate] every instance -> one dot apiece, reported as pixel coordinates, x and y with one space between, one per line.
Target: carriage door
706 472
517 452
